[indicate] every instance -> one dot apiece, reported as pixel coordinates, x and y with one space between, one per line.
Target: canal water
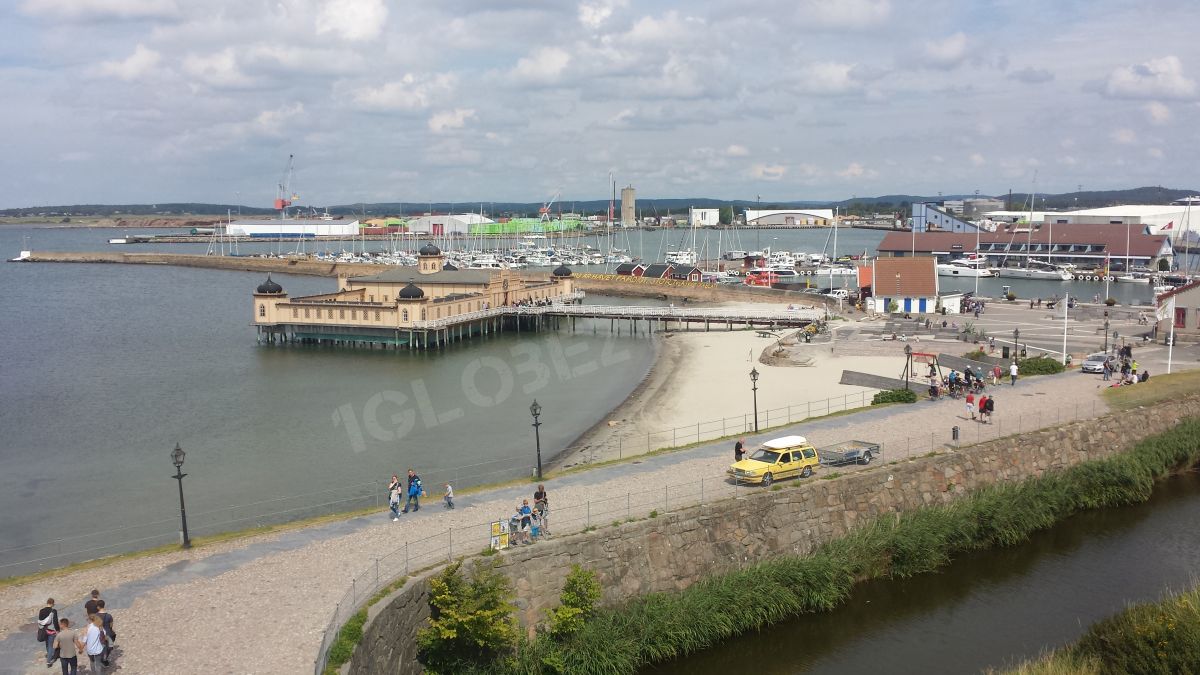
989 609
107 367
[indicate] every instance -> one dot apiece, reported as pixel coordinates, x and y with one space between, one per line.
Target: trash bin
954 434
1004 352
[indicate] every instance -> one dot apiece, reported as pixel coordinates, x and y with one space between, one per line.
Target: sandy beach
699 388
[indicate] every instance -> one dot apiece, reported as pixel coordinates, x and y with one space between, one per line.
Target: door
908 304
1181 317
921 305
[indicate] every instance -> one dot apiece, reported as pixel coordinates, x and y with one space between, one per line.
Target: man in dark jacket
738 450
48 624
414 492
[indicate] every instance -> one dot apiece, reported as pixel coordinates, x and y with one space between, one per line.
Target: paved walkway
260 605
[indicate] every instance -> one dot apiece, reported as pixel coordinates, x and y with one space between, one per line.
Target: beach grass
1157 389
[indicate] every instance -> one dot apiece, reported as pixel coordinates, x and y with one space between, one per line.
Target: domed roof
449 267
269 287
561 271
411 292
430 249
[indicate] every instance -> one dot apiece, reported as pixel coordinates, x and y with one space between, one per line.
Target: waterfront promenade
261 604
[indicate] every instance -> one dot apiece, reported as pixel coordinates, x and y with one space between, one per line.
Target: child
449 496
971 403
394 498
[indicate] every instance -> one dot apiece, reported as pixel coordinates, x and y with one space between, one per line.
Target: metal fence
614 510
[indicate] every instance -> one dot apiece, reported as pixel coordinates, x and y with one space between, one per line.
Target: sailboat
1034 269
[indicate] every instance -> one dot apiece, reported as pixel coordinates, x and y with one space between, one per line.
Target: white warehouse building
453 223
292 227
704 217
789 217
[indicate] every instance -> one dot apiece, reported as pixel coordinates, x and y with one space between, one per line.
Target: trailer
849 452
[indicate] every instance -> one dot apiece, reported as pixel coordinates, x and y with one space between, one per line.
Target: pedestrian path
265 600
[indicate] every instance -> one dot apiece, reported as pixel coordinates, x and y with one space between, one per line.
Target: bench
767 333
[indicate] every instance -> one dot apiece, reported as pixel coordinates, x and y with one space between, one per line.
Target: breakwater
678 549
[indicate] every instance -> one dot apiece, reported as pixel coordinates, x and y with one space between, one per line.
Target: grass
351 632
1157 389
1155 637
660 627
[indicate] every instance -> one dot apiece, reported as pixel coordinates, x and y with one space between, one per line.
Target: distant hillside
646 206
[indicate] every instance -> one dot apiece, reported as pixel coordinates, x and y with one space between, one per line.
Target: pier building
426 307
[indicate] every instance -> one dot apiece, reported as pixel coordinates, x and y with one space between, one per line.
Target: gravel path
260 605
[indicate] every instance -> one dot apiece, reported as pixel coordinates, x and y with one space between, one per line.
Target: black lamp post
1016 336
1106 332
536 410
177 458
908 367
754 389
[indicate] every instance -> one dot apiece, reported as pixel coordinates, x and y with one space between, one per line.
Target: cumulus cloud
544 66
141 62
848 14
1156 78
219 70
276 122
450 119
593 15
1124 136
1158 112
411 92
768 171
736 150
857 170
947 53
1031 75
828 77
93 10
352 20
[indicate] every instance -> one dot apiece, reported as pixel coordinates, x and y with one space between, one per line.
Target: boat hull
1018 273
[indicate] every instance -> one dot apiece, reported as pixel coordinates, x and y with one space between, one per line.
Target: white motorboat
1131 279
1036 270
835 270
685 257
965 267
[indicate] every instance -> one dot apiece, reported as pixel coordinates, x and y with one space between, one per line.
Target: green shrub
1159 637
348 637
1041 365
471 621
1110 301
975 355
894 396
581 592
1011 296
893 307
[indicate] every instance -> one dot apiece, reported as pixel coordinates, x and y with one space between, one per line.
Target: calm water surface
987 609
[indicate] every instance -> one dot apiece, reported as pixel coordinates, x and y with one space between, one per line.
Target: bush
893 307
894 396
1149 638
471 621
1110 301
1041 365
975 355
1163 265
1011 296
581 592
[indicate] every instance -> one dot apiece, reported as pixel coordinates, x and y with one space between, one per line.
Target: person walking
739 450
1107 370
93 603
449 496
983 399
971 404
995 375
1133 367
93 644
106 624
68 646
991 407
414 492
394 497
1012 372
48 628
541 503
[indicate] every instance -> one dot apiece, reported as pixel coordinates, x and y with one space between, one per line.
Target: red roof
1111 237
905 277
1179 289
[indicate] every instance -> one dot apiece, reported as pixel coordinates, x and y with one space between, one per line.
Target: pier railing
612 510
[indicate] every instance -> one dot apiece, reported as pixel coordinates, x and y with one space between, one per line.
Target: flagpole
1066 302
1107 274
1171 339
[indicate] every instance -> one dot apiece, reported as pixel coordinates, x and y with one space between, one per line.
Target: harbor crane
545 210
284 196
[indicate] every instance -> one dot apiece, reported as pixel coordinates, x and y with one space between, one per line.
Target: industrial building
927 217
450 223
704 217
292 227
628 206
789 217
1169 219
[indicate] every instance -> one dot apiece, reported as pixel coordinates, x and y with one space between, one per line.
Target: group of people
984 406
954 384
532 303
974 306
66 641
1126 366
529 523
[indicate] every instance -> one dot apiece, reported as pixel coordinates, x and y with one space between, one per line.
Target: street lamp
536 410
177 458
908 366
754 389
1106 331
1016 336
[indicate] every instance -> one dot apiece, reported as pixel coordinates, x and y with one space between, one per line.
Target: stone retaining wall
677 549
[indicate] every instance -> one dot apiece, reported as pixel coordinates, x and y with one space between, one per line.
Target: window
809 453
371 298
354 314
404 315
331 312
1181 317
262 310
422 313
306 312
376 315
295 313
341 313
385 298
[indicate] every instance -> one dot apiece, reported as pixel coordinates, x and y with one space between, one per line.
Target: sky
144 101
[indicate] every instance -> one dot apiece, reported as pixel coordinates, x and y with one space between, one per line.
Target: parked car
1095 363
778 458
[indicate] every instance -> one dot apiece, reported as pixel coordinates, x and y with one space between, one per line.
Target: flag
1107 261
1164 310
1168 226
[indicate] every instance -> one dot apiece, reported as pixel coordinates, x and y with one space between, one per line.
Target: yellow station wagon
778 458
